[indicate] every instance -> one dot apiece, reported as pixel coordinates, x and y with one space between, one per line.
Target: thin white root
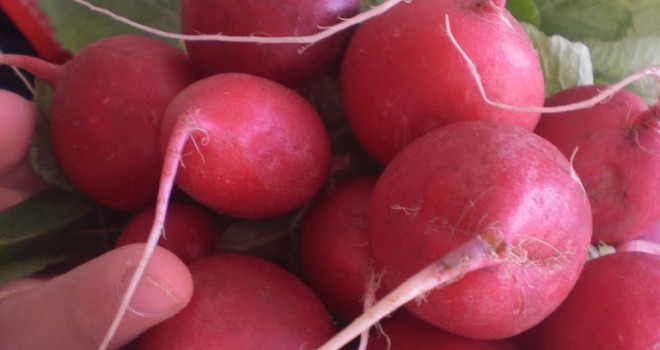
303 39
640 245
371 287
177 141
607 93
478 253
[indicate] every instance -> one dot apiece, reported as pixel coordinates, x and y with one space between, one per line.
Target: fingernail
151 298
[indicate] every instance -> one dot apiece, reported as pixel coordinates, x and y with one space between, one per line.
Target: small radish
241 302
407 332
190 232
105 118
285 63
334 247
614 305
618 158
253 148
490 212
402 76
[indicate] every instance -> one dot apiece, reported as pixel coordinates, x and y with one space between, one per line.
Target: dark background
11 41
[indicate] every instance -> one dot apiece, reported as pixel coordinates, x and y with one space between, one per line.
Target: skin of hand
74 310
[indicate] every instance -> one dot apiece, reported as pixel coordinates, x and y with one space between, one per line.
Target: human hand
72 311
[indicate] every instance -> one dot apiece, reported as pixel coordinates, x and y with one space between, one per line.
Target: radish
490 206
285 63
190 232
407 332
614 305
241 302
105 117
618 158
334 247
402 76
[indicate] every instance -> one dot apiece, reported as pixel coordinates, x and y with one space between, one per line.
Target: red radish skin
407 332
190 232
241 302
284 63
482 179
618 158
402 76
334 247
614 305
256 149
18 118
105 133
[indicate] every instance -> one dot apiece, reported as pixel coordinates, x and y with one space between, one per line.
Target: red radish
618 158
407 332
18 118
334 247
492 213
106 112
285 63
253 148
241 302
402 75
190 231
614 305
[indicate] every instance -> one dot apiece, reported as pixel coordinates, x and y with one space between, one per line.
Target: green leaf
585 19
77 26
524 11
41 155
42 214
646 18
367 4
20 268
564 63
613 61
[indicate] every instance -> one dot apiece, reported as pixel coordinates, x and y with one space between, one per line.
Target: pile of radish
452 203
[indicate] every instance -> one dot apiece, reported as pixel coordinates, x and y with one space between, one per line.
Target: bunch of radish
471 227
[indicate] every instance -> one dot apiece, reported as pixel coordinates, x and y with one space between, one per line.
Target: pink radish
190 231
285 63
105 117
614 305
241 302
334 247
491 207
402 75
618 158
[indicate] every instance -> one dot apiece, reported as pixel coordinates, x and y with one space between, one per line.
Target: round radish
285 63
17 117
105 118
254 148
618 158
334 247
190 231
614 305
402 76
493 181
407 332
241 302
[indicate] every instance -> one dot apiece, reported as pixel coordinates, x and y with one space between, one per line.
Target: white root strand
653 71
478 253
303 39
170 167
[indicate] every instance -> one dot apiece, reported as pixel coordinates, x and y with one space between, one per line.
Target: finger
74 310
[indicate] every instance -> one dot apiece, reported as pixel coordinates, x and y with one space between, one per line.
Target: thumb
74 310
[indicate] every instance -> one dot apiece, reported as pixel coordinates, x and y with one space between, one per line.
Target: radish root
653 71
482 251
